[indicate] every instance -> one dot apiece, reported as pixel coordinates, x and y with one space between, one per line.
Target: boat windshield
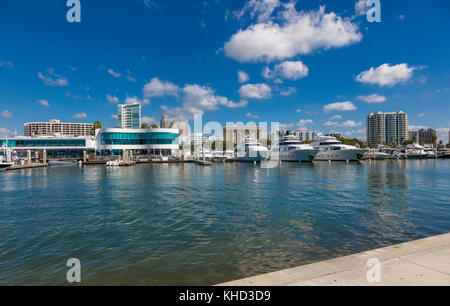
330 143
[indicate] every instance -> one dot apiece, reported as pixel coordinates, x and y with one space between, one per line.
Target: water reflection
185 224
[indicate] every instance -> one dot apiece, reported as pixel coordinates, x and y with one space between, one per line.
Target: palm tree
144 126
97 126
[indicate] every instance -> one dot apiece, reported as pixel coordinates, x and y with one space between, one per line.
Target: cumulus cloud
136 100
336 117
52 79
6 114
255 91
115 116
112 99
243 77
372 98
148 120
288 92
287 70
158 88
296 33
43 103
80 116
113 73
340 106
6 133
260 9
361 7
386 75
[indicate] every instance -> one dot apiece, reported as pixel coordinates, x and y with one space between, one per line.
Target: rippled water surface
191 225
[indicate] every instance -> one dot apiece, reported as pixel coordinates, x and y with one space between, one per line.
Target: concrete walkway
423 262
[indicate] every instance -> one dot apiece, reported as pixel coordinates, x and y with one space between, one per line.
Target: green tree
154 126
144 126
97 126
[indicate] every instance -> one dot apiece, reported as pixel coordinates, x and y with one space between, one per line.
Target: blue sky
308 64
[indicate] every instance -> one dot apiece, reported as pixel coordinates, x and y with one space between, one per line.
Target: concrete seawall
424 262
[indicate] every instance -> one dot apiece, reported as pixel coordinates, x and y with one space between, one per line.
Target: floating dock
424 262
22 167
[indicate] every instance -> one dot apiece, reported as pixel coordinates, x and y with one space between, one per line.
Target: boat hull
5 166
299 156
340 155
255 156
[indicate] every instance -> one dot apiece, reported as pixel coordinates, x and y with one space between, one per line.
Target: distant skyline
317 65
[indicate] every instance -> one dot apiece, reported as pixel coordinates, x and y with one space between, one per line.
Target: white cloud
372 98
148 120
287 70
340 106
336 117
80 116
331 123
6 114
288 92
401 17
413 127
149 3
158 88
386 75
112 99
8 64
421 115
361 7
43 103
250 115
115 116
243 77
350 123
113 73
442 134
255 91
136 100
298 110
298 33
261 9
53 79
6 133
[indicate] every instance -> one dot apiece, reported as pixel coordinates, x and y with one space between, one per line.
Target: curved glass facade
155 138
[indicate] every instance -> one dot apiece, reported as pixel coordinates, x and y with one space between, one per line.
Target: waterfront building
236 134
169 123
153 141
305 135
58 128
129 116
54 146
106 142
387 128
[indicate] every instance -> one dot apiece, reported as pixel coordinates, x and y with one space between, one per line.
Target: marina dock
424 262
22 167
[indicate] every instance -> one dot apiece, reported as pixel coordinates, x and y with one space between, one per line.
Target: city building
305 135
106 142
58 128
387 128
168 123
153 141
129 116
235 133
423 136
334 134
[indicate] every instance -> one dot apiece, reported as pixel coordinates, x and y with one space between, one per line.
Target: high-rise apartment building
129 116
304 135
237 133
423 136
387 128
168 123
56 127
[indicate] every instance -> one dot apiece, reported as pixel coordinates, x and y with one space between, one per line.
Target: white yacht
332 149
416 151
251 150
293 150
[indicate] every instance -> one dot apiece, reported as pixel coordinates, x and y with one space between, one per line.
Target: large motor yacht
251 150
332 149
293 150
